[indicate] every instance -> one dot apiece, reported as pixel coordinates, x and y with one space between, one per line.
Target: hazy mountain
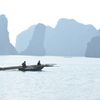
93 47
68 38
6 47
36 44
23 39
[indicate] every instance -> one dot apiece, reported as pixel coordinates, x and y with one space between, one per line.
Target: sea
72 78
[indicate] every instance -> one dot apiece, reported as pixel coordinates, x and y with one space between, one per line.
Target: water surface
75 78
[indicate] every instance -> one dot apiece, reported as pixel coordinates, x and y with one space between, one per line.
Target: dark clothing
39 63
24 64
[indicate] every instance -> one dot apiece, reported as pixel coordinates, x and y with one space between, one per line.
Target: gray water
74 79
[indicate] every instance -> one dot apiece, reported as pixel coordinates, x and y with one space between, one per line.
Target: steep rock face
23 39
68 38
93 47
36 44
6 47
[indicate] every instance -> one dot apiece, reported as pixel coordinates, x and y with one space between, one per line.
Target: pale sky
22 14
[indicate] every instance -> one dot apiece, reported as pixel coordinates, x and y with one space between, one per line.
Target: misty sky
22 14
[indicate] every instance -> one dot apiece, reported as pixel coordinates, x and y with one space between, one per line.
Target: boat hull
27 68
32 68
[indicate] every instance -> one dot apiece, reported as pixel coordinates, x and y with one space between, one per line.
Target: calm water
73 79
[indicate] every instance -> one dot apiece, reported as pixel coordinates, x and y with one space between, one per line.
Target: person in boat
24 64
39 63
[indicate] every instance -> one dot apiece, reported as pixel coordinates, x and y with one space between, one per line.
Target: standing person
24 64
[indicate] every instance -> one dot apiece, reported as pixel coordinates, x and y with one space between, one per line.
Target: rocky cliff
6 48
36 44
68 38
93 47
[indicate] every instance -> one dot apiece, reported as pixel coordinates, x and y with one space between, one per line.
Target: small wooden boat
32 68
28 67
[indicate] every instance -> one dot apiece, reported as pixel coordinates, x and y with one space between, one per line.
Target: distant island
6 48
68 38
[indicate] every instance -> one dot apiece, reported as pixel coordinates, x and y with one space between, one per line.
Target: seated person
39 63
24 64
